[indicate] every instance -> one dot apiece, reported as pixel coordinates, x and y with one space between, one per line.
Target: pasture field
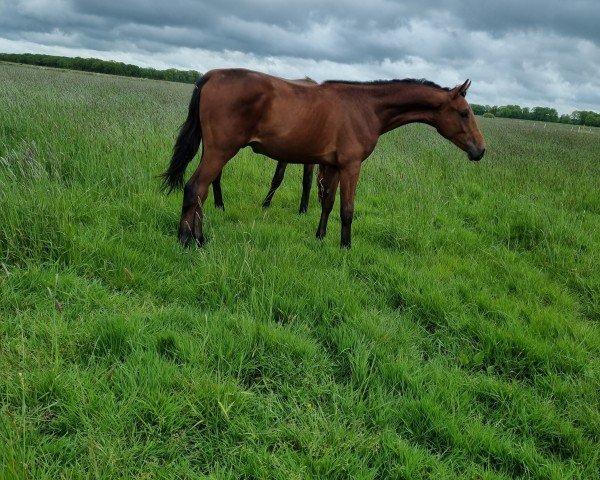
459 338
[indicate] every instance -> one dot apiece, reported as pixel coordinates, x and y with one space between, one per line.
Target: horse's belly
293 152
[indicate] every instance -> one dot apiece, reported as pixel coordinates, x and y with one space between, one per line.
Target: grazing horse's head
456 122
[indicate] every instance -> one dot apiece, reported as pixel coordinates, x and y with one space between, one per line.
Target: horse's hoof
185 239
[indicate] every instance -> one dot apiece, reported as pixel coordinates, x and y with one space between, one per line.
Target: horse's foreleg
217 193
348 180
306 184
277 179
330 177
194 195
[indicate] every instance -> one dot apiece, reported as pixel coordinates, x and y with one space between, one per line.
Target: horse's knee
190 195
346 214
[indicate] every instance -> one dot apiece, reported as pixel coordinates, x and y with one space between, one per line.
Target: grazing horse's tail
187 144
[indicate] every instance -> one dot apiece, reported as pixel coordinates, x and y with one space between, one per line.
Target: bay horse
335 124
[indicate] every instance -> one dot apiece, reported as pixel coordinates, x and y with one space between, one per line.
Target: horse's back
281 118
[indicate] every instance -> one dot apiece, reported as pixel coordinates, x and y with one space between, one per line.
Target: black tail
187 144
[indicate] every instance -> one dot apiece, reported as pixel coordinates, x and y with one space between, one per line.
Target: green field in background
458 338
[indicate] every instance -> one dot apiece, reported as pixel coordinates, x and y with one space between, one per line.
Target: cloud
529 53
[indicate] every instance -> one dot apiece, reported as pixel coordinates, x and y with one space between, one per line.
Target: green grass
459 338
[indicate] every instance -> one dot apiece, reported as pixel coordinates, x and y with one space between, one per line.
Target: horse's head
456 122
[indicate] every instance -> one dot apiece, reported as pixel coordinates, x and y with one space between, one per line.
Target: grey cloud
573 18
507 46
350 30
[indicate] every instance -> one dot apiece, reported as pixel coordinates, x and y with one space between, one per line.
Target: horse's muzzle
476 153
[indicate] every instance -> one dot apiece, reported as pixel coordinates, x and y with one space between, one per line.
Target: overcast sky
527 52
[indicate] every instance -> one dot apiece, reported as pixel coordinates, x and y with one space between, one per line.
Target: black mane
408 81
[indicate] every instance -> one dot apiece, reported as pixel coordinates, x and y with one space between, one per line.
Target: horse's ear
462 90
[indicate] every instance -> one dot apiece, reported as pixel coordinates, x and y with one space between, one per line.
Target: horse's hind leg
330 176
277 179
217 193
306 184
195 193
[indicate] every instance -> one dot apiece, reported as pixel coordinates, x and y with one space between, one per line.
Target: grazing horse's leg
306 184
320 184
277 179
217 193
330 176
195 193
348 180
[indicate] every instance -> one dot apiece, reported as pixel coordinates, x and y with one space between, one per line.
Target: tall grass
457 339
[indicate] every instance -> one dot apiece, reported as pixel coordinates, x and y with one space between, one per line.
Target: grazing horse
335 124
275 183
306 184
306 177
278 176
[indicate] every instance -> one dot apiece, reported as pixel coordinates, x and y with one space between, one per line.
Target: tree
101 66
584 117
544 114
478 109
565 119
510 111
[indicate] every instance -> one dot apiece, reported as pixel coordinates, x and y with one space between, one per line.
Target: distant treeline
102 66
543 114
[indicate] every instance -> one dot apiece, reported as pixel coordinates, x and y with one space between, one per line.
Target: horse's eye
464 114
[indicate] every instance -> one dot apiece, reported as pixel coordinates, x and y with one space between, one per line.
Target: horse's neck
400 104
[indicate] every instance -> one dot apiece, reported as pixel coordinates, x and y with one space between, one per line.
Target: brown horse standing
335 124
